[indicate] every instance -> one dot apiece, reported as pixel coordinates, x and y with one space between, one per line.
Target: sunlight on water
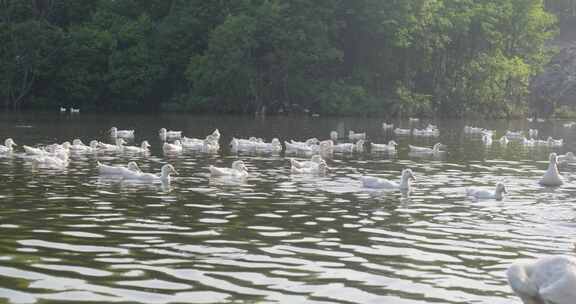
73 235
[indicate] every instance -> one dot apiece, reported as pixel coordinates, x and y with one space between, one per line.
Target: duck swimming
496 194
8 146
114 132
238 170
550 279
129 170
552 176
381 183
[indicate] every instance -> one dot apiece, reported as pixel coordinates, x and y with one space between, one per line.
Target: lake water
277 238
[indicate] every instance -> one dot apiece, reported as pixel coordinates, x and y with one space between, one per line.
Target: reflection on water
70 234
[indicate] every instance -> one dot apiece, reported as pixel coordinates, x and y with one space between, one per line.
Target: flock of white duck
546 280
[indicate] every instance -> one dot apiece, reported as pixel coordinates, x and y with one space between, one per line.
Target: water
70 235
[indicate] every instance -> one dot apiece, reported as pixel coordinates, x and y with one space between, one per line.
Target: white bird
533 132
390 147
413 119
34 151
314 161
569 124
54 148
528 142
62 109
74 110
116 147
320 168
472 130
163 177
435 150
171 148
128 170
134 149
487 139
349 147
480 193
334 135
503 140
399 131
165 134
555 142
547 280
381 183
353 136
79 147
514 134
238 170
58 161
387 126
569 157
114 132
552 176
8 146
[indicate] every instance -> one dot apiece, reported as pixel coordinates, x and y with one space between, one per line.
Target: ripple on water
69 235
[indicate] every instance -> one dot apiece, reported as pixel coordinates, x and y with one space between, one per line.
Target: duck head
93 144
133 166
145 145
392 143
239 165
9 142
553 158
168 169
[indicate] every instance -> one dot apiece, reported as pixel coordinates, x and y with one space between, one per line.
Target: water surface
277 238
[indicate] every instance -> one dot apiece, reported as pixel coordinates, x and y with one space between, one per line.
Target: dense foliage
393 57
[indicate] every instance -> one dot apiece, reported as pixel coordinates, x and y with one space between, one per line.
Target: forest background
450 58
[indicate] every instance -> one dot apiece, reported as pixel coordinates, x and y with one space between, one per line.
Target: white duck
480 193
547 280
334 135
387 126
514 134
390 147
134 149
164 134
569 157
399 131
555 142
74 110
34 151
54 148
380 183
353 136
172 148
8 146
349 147
163 177
114 132
528 142
130 169
238 170
503 140
314 161
116 147
552 176
58 160
79 147
533 132
320 168
435 150
487 139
